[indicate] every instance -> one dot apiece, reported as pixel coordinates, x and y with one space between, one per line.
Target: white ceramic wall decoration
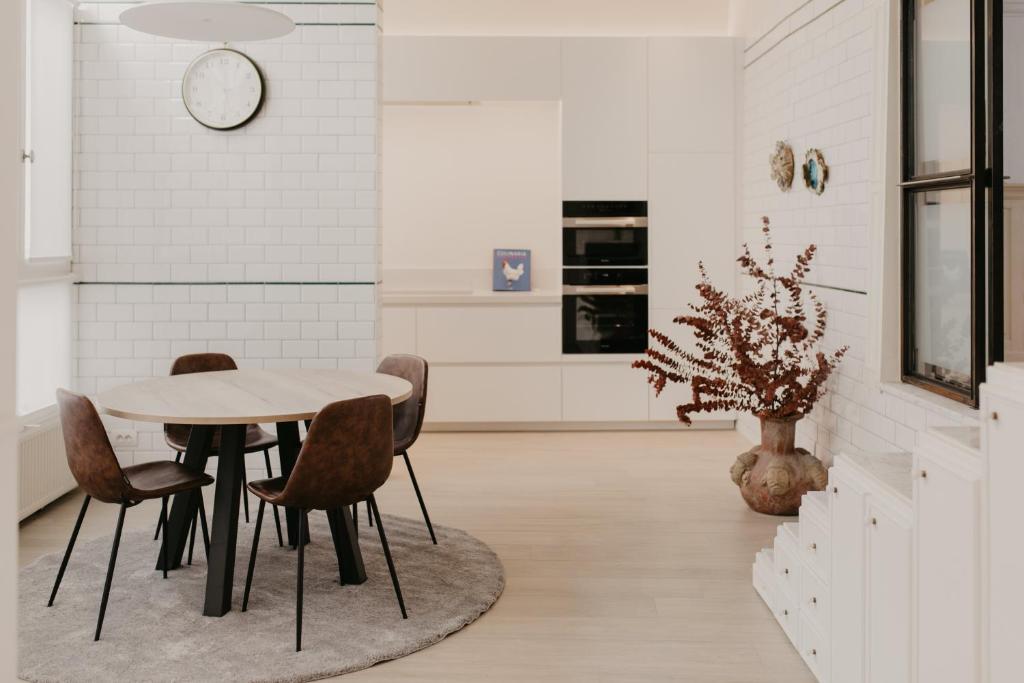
782 165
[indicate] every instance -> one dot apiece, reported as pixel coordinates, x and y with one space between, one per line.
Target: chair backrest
347 455
408 419
90 456
186 365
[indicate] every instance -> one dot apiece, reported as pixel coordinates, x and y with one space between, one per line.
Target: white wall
821 79
463 180
11 170
262 242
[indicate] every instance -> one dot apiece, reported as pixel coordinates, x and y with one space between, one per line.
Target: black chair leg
202 522
252 555
163 544
372 502
192 536
160 522
67 553
110 570
277 517
419 496
303 523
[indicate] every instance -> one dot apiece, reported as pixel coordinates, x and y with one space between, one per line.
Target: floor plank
628 558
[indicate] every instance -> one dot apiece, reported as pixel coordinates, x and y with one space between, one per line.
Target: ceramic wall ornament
782 165
815 171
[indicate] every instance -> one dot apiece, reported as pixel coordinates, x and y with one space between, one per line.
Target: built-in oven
604 234
604 310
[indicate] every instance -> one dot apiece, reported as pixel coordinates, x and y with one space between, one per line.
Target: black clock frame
259 74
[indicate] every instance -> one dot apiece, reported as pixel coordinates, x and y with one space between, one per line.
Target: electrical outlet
124 438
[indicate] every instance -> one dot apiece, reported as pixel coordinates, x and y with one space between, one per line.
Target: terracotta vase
774 475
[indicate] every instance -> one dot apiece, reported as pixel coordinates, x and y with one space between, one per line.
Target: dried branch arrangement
758 353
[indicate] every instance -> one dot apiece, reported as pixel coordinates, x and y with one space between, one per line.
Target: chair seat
268 489
256 439
162 478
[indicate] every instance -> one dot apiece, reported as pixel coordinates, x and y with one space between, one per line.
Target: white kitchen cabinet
692 205
494 394
1002 436
604 118
947 517
603 393
398 330
470 68
889 594
692 80
848 514
489 334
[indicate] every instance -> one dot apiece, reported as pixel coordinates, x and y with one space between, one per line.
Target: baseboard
705 425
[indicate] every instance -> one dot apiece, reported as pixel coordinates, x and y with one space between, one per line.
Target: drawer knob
924 474
995 416
813 652
785 612
814 601
874 522
786 570
835 489
813 546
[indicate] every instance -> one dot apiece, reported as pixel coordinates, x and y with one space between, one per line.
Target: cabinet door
1003 437
947 569
604 118
889 550
848 568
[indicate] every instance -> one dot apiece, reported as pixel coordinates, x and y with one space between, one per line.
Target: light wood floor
627 555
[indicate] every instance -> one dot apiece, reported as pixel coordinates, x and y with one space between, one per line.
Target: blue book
511 270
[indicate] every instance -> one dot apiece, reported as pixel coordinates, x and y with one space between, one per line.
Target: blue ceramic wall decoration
815 171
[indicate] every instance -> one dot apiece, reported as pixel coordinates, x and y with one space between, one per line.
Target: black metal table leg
288 448
184 507
224 533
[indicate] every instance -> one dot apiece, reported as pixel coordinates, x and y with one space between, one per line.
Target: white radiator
43 474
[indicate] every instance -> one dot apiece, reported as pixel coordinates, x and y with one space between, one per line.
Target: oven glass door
604 323
604 246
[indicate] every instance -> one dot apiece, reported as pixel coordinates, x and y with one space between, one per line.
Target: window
44 288
950 217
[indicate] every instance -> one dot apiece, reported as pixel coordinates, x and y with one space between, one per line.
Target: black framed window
951 111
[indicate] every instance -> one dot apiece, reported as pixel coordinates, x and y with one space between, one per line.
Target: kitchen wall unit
640 119
604 119
926 559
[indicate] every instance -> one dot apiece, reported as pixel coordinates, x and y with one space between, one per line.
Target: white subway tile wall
812 80
261 242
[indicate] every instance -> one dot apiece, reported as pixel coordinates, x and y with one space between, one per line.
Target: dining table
228 401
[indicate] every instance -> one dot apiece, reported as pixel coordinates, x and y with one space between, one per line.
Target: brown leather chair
256 439
408 416
346 456
100 476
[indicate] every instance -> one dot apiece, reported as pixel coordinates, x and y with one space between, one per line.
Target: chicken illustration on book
511 270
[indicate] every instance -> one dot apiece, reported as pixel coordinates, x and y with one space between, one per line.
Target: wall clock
222 89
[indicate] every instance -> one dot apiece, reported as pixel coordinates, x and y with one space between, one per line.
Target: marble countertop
892 470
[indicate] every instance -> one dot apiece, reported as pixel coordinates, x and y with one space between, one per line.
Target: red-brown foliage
758 353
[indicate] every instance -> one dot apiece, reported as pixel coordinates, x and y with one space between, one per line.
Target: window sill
954 410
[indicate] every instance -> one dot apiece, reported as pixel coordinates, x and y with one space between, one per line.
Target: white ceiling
556 17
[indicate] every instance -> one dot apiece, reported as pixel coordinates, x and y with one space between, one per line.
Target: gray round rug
154 629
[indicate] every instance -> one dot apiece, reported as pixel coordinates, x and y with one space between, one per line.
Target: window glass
942 86
48 129
44 343
942 286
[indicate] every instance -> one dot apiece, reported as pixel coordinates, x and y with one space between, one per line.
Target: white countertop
468 297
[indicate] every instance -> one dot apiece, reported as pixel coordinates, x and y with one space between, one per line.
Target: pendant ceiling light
218 21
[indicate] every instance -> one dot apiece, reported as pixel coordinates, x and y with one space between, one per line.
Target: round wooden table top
245 396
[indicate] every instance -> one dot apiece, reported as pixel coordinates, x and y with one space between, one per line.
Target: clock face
222 89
